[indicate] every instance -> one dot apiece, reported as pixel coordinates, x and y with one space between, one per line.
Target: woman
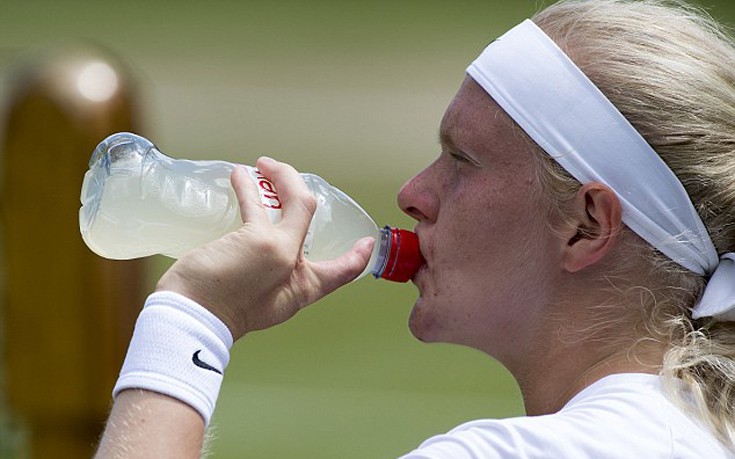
556 240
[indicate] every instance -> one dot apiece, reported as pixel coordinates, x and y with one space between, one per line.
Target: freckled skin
491 255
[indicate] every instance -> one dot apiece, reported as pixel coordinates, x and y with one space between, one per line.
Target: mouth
417 276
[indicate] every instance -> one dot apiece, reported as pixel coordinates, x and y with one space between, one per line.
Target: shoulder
621 416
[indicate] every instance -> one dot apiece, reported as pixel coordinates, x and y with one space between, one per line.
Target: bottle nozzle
399 257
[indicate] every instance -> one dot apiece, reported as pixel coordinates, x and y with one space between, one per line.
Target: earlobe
597 220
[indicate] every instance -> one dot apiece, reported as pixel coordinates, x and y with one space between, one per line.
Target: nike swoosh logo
198 362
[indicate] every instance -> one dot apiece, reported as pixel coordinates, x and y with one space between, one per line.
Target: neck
547 387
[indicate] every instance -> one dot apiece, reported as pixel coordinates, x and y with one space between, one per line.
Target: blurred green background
353 91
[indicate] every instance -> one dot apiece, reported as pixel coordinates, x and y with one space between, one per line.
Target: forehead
476 121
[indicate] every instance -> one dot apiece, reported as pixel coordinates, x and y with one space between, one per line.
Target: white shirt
620 416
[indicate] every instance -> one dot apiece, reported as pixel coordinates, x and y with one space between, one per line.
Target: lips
423 267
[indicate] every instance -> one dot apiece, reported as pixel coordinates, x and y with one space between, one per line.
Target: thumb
344 269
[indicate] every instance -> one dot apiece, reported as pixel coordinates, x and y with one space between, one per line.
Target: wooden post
68 314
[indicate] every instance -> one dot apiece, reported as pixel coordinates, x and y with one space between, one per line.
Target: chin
424 325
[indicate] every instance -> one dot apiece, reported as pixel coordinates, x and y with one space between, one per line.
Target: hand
257 277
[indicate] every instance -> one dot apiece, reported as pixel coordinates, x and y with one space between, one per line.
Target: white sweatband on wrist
178 349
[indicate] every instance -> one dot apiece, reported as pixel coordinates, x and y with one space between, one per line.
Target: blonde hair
670 69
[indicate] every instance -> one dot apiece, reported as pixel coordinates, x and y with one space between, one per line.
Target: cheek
479 220
486 262
478 230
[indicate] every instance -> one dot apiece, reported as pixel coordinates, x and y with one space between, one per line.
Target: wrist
174 282
179 349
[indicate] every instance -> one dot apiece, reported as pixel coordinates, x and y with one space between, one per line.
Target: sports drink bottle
136 202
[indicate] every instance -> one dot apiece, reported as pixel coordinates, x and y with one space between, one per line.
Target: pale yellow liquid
176 205
338 223
160 212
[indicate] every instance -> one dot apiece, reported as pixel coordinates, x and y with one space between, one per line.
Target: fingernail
366 242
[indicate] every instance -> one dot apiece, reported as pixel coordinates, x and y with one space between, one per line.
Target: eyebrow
447 142
446 139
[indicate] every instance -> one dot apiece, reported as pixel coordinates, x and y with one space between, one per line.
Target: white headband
538 86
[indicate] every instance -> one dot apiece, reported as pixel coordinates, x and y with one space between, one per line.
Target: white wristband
179 349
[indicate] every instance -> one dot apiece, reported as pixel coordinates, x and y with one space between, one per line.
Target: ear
596 218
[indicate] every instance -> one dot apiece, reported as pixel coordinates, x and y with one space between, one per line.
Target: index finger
299 204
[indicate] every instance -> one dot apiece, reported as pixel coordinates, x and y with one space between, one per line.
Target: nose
417 198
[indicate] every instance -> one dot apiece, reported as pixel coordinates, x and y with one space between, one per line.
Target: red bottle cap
405 256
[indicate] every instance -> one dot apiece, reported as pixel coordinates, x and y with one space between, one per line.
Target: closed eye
456 154
459 158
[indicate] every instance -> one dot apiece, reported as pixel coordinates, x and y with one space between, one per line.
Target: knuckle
310 203
289 169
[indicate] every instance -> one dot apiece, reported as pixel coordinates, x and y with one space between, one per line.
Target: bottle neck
384 245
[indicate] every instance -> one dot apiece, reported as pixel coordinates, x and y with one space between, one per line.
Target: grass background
353 91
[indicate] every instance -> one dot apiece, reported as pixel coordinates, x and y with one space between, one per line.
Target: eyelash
458 158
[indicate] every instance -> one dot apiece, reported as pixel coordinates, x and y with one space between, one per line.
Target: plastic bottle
137 202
